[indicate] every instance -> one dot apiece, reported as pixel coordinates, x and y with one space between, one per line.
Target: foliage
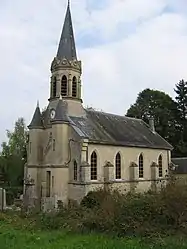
13 158
18 233
93 199
142 214
157 104
181 99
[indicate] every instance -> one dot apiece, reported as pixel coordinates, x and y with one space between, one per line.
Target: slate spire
66 48
36 122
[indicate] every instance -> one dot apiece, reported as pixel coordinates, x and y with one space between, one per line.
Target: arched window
118 166
141 166
74 87
160 166
75 170
64 86
94 166
54 87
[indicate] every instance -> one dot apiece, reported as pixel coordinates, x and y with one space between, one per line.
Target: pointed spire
36 122
66 48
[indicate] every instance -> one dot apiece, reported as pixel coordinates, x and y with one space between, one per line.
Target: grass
13 238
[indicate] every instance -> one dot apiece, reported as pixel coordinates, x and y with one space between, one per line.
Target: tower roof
61 112
36 122
66 48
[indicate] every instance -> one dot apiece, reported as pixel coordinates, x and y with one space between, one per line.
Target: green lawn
12 238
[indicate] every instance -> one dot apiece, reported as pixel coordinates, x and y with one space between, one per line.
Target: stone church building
73 150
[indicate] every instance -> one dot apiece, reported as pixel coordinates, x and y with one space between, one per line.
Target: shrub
144 214
93 199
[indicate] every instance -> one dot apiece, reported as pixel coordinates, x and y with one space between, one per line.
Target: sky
125 46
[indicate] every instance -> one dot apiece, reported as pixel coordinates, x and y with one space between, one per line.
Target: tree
181 99
17 138
13 155
157 104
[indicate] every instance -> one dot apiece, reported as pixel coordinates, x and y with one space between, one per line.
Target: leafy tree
157 104
17 138
181 99
13 155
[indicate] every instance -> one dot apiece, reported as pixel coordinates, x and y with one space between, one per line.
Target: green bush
94 199
143 214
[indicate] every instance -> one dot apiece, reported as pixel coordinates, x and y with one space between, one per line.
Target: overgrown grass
105 219
13 238
110 212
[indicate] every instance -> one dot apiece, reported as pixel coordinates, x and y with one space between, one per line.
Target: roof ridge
112 114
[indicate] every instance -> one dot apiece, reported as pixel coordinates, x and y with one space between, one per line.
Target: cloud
125 46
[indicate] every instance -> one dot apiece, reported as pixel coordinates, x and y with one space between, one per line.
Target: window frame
74 87
141 166
75 170
93 168
160 166
118 166
64 86
54 87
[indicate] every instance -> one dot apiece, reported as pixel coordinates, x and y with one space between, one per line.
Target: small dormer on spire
66 48
36 122
61 112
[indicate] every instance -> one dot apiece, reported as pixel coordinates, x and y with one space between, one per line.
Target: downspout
69 147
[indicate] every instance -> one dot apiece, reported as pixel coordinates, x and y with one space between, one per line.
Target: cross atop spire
66 48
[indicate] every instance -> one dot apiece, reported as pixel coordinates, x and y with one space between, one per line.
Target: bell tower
66 70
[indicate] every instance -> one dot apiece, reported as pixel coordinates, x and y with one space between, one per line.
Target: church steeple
66 48
66 70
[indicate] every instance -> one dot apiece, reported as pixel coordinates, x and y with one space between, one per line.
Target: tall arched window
75 170
94 166
74 87
54 87
141 166
64 86
118 166
160 166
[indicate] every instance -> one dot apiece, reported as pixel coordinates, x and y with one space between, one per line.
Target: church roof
36 122
67 47
105 128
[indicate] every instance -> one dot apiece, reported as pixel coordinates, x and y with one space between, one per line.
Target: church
73 150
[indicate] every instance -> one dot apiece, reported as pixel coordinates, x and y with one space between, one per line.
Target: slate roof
106 128
67 47
36 122
181 162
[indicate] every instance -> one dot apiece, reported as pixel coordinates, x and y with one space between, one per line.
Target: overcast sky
125 46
